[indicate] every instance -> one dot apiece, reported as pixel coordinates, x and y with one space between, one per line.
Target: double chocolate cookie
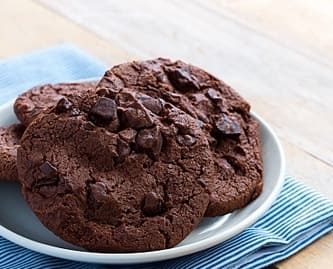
118 173
224 115
40 98
9 142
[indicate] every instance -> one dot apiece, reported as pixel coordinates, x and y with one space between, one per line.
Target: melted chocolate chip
50 175
227 126
63 105
99 192
152 204
182 79
186 140
154 105
150 140
102 206
104 111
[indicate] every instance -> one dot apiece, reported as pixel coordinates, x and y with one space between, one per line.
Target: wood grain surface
279 59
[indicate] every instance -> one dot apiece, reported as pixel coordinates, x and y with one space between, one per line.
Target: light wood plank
317 255
26 25
308 169
289 90
302 24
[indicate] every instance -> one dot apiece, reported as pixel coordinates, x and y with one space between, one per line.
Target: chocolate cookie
222 113
9 142
116 174
40 98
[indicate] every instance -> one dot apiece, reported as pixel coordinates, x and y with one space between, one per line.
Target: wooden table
278 54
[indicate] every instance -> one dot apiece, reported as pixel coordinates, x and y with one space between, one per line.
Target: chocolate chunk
181 79
123 150
102 205
63 105
227 126
152 204
150 140
186 140
128 135
48 169
99 191
49 175
104 111
152 104
136 118
214 94
46 181
43 97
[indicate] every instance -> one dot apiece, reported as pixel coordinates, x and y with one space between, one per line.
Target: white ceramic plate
19 225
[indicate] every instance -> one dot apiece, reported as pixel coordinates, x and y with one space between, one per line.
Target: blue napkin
297 218
56 64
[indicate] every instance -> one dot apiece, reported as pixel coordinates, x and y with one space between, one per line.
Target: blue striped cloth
297 218
56 64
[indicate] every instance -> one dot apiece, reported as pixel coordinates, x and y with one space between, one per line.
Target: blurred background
277 54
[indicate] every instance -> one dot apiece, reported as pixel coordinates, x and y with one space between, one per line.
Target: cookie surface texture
40 98
118 174
9 142
225 116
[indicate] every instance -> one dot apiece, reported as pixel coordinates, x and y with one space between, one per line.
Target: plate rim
157 255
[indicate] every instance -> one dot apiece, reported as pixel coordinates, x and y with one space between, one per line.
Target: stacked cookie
27 107
136 160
